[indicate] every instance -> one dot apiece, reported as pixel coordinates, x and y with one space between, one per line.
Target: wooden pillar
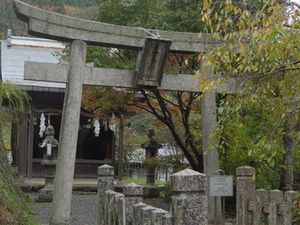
14 141
29 151
114 138
19 147
121 149
22 148
63 182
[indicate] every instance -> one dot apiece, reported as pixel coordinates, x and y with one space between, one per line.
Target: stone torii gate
80 33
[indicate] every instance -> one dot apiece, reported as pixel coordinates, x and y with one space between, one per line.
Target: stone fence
261 207
188 206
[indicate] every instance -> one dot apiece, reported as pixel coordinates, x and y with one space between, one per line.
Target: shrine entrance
92 150
148 74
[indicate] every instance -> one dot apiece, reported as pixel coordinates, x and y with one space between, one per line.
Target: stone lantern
151 147
50 149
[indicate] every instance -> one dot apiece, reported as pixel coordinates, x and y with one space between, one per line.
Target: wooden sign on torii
81 32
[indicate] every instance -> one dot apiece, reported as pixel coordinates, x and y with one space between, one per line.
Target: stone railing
128 209
188 206
261 207
114 208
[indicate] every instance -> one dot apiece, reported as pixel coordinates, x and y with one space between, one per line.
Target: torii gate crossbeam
65 28
122 78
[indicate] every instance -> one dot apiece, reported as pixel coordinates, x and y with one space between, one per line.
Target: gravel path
83 211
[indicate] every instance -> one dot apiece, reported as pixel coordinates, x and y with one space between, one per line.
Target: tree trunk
162 113
287 176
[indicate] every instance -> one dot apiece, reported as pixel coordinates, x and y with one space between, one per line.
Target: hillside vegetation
8 19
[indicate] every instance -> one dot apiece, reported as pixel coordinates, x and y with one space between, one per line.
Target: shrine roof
16 50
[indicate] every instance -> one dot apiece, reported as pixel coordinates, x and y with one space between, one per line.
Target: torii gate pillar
211 155
63 182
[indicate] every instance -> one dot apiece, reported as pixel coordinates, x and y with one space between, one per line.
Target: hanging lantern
97 127
113 127
113 118
112 123
42 125
105 125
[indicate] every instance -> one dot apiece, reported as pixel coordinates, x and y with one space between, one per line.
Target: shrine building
95 144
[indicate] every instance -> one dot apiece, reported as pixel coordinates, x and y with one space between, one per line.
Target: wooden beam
53 111
30 146
124 78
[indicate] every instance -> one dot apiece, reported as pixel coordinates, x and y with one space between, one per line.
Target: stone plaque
221 185
152 61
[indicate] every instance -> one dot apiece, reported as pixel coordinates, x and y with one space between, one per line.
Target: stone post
189 202
137 213
157 216
262 199
133 195
120 209
211 155
109 208
63 182
283 217
276 197
147 214
105 183
167 219
245 195
286 212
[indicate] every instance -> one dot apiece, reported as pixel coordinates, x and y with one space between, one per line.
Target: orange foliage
70 10
6 217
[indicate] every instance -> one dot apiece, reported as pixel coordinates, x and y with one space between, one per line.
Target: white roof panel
35 42
16 50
